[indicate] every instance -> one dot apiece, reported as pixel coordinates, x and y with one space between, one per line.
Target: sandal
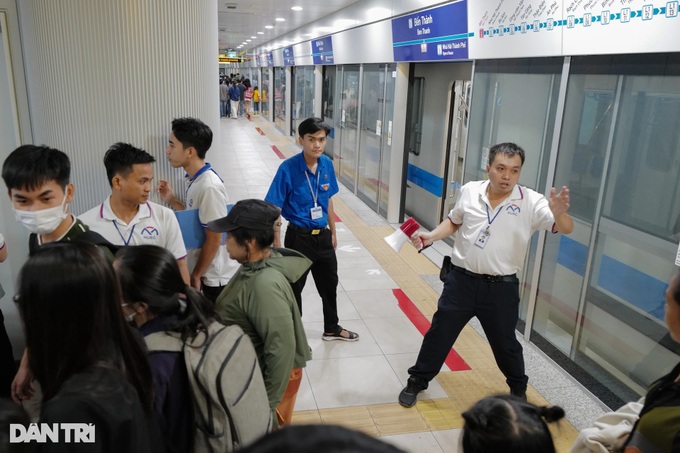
337 335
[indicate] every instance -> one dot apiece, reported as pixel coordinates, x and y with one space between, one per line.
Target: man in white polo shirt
494 221
126 217
188 144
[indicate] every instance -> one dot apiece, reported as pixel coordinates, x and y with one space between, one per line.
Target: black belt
301 230
487 278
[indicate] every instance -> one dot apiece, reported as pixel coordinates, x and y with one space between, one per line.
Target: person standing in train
493 221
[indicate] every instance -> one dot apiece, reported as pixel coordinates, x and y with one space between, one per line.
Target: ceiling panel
238 21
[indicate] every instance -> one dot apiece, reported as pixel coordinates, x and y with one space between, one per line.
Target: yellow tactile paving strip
463 387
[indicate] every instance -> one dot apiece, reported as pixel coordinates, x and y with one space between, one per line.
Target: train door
377 106
456 143
436 137
349 126
328 106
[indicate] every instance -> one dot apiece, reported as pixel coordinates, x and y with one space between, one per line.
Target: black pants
319 249
211 292
7 364
495 304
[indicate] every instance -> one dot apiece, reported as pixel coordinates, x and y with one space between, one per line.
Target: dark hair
247 84
69 299
509 424
150 274
263 238
120 158
509 149
29 167
312 126
192 132
316 438
256 87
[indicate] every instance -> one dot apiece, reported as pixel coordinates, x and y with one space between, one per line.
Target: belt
487 278
301 230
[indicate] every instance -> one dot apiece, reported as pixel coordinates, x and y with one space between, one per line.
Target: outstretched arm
420 239
559 205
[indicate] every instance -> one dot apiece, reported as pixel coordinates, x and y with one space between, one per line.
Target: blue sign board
439 33
288 56
322 50
270 59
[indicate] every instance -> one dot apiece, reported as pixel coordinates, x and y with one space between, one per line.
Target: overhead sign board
439 33
288 56
322 50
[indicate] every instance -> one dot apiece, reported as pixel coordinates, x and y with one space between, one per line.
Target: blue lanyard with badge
121 235
484 235
316 212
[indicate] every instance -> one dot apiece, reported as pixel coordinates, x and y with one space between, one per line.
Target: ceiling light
248 40
280 19
296 8
260 33
253 37
322 29
308 34
269 26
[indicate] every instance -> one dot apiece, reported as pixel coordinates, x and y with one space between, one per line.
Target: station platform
388 298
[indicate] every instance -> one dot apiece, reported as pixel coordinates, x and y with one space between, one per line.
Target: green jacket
260 300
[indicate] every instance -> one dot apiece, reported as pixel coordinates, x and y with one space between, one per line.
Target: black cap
251 214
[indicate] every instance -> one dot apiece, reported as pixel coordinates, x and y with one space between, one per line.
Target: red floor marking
259 130
453 360
278 153
337 219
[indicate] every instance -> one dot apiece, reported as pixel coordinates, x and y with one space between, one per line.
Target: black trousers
7 364
495 304
211 292
319 249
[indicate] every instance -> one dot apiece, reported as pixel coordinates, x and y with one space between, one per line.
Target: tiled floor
357 384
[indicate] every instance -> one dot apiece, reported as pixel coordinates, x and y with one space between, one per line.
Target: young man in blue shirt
302 188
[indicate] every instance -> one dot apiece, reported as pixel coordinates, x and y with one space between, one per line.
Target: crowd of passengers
161 352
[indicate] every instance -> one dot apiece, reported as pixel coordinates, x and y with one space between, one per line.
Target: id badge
316 212
483 238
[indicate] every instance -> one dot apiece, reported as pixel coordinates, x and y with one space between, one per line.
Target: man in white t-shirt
126 217
493 221
189 141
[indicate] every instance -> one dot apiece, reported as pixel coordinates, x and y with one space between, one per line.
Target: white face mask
44 221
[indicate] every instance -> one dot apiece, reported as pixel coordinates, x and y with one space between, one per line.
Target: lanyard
494 217
314 196
121 235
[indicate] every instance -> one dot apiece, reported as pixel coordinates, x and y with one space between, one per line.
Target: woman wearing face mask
152 282
91 366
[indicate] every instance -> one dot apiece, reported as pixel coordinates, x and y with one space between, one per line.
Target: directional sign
439 33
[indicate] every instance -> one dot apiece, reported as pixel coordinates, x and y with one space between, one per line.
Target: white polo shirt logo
150 232
513 209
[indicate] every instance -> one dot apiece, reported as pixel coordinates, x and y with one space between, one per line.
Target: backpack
230 400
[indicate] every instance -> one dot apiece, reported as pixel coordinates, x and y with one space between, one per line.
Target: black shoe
519 393
409 396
